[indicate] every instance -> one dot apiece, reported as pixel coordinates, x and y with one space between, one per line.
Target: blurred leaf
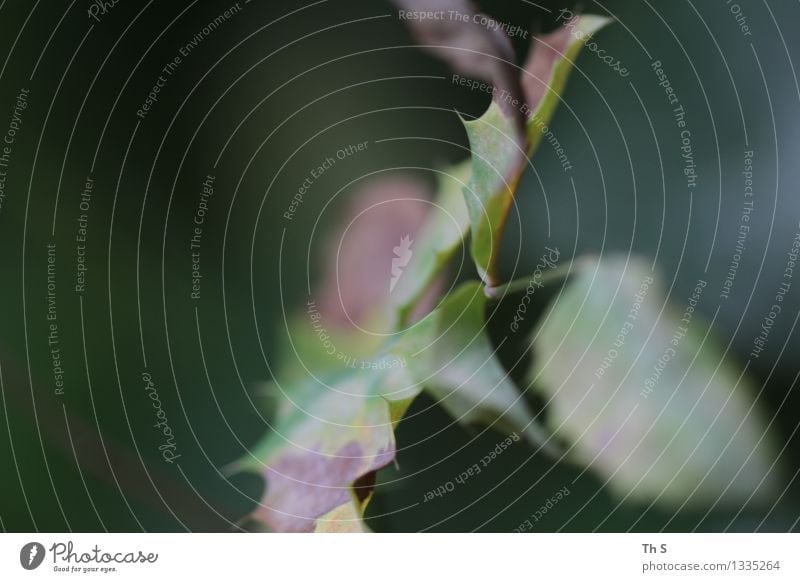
344 519
330 435
326 436
357 285
439 238
645 396
467 45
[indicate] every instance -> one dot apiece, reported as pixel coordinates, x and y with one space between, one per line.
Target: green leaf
327 438
498 158
500 151
645 396
457 364
331 434
436 242
547 70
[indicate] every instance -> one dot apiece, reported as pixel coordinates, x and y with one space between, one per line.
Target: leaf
330 436
498 159
548 67
507 135
468 42
645 396
327 436
343 519
436 242
333 432
358 284
500 151
457 364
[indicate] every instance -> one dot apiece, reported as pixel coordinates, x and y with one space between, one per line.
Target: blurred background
133 121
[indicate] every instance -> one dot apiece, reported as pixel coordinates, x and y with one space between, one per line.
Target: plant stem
518 285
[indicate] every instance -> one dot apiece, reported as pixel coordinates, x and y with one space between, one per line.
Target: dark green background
302 85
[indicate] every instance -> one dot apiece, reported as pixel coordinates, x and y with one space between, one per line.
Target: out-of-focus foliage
646 396
332 434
